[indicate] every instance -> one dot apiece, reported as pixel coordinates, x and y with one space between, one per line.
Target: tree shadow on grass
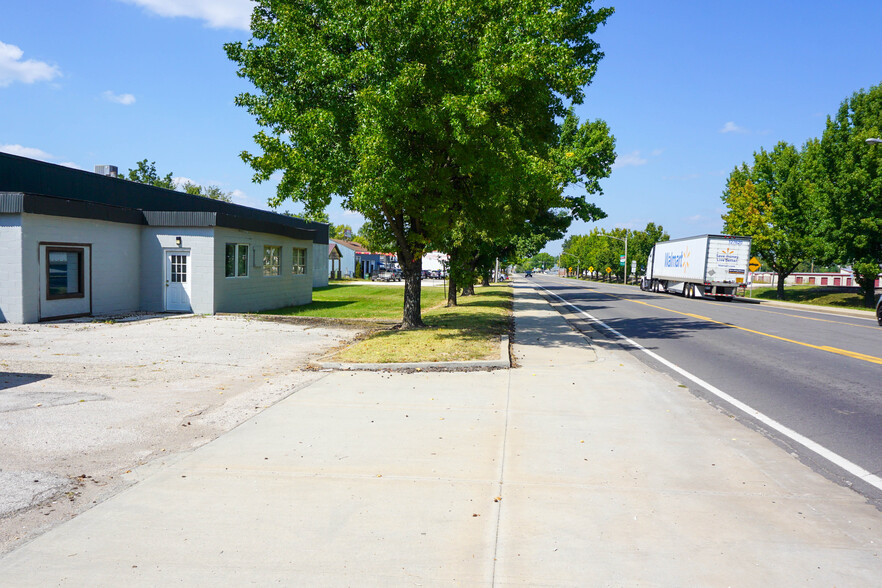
315 305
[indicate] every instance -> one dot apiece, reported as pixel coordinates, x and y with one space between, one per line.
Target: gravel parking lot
85 404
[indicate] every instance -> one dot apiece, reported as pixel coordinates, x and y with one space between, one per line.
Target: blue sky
689 88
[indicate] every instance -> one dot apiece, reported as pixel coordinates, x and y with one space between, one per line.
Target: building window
799 279
236 265
299 261
64 273
823 281
272 260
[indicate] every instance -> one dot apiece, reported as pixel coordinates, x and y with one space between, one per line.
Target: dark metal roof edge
260 226
30 176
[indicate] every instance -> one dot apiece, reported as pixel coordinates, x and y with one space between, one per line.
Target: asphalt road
817 374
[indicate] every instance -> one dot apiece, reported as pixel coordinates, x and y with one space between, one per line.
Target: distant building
355 254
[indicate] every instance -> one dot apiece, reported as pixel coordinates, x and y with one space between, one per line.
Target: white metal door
177 280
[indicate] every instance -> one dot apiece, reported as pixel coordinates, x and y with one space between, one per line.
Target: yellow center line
836 350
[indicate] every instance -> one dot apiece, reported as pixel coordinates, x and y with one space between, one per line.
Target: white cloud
240 197
34 153
632 158
731 127
22 151
181 180
125 99
13 69
234 14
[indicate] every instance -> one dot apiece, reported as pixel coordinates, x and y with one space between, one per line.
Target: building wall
114 266
10 269
256 291
156 242
319 265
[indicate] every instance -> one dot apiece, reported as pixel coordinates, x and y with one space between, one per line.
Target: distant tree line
601 249
821 202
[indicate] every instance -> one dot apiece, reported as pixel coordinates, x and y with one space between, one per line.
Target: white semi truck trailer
705 265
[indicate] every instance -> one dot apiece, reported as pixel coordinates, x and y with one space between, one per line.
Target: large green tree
845 172
772 202
415 112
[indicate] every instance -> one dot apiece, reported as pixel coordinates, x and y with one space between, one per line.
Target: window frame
81 258
236 259
277 267
295 266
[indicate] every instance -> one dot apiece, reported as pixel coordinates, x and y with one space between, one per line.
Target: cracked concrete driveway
84 404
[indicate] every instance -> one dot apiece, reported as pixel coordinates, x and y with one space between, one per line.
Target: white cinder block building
75 243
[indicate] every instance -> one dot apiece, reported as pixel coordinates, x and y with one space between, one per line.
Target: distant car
529 274
385 275
879 311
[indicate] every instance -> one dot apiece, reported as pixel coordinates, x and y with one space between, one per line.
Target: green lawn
468 331
814 295
347 301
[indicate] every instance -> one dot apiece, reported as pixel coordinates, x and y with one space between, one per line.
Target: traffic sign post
753 265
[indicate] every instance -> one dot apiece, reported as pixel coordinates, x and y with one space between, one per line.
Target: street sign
633 266
621 260
754 264
608 270
590 268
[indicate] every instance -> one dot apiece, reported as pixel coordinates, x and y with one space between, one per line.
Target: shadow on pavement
14 379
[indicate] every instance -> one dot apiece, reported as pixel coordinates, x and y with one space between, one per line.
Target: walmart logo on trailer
681 260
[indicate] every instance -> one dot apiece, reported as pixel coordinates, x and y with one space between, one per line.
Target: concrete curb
502 362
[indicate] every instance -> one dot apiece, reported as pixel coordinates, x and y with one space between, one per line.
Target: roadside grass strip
813 296
469 331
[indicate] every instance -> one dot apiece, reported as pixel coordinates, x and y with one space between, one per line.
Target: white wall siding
115 260
156 242
256 291
10 269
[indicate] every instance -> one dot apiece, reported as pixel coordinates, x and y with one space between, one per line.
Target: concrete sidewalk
581 467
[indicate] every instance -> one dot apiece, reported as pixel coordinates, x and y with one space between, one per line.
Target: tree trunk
412 317
779 291
451 290
469 290
485 279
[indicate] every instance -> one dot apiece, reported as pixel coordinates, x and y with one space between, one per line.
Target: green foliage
845 171
601 248
442 123
213 192
146 174
339 231
773 202
542 260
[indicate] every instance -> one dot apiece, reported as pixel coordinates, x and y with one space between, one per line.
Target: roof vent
107 170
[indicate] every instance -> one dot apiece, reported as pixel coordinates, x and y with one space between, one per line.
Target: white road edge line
835 458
